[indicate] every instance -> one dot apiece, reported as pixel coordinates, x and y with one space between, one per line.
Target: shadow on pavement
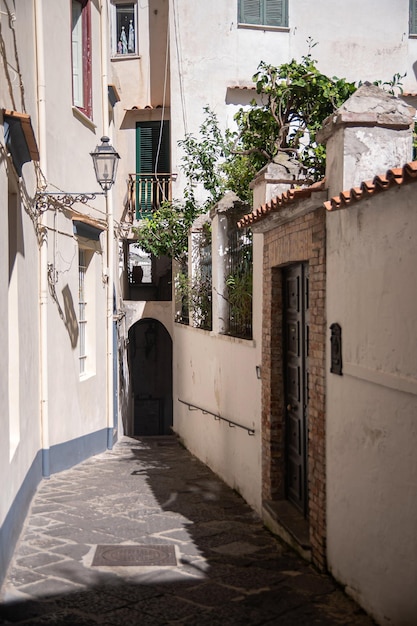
150 491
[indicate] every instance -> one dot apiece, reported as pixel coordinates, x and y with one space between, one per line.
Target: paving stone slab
75 572
75 551
209 594
19 576
38 560
17 611
230 569
49 587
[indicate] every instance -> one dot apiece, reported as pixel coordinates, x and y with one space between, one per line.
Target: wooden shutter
250 12
413 17
276 12
150 160
147 140
264 12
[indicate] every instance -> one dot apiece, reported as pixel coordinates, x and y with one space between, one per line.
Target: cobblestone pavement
205 557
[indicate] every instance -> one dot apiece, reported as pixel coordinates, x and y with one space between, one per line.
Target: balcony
147 191
145 278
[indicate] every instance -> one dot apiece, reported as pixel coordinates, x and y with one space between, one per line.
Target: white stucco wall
372 408
19 332
81 405
219 374
210 52
78 408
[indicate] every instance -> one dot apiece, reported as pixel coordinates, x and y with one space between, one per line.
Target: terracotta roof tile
277 203
393 177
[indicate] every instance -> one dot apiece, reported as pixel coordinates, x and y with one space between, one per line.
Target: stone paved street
206 558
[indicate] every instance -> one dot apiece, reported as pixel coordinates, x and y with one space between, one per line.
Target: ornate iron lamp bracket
52 200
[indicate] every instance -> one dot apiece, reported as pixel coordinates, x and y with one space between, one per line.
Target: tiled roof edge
393 177
287 197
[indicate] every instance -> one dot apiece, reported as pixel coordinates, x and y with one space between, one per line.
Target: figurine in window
131 44
123 40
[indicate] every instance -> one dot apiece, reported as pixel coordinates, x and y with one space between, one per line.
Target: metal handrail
232 424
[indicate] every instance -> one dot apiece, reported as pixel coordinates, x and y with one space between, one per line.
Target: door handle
289 407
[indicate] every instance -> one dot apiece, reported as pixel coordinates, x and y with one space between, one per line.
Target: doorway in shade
150 363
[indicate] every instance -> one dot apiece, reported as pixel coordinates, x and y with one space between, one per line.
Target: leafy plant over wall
165 232
295 99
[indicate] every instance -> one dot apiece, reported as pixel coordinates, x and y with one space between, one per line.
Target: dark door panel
295 329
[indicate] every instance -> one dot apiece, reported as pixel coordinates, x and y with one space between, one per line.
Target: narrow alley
145 534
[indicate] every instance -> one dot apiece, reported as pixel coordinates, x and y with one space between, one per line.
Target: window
413 17
153 179
81 56
124 28
82 307
263 12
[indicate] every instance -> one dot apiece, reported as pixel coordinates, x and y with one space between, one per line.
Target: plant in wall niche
239 296
239 283
200 301
194 299
182 295
200 284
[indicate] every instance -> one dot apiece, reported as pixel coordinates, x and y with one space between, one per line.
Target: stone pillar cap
369 106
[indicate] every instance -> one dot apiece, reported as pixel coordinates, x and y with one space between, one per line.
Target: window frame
82 308
115 54
83 53
412 22
263 22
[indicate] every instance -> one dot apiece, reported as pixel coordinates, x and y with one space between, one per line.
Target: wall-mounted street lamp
105 161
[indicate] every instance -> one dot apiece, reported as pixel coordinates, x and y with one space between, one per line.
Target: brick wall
301 240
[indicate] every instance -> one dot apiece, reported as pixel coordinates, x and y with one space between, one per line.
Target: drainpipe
110 227
43 251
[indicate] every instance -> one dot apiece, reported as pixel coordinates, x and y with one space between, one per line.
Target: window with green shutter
263 12
152 166
413 17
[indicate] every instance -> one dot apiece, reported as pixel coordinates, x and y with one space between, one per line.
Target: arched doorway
150 363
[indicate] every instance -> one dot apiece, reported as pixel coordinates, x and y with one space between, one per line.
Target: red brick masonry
300 240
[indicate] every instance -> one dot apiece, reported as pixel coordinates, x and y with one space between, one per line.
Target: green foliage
239 296
200 301
393 86
296 98
239 285
203 157
165 232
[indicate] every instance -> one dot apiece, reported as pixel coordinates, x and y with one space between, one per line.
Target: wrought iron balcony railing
147 192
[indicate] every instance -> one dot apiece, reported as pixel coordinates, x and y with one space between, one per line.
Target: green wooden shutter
276 13
149 161
250 12
263 12
413 17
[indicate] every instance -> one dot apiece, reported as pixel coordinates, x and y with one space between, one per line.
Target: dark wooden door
296 382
